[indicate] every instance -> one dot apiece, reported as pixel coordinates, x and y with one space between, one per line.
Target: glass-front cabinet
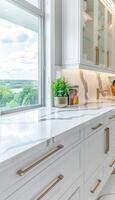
100 51
109 40
97 30
87 34
88 30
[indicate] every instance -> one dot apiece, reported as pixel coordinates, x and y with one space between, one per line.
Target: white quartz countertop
24 130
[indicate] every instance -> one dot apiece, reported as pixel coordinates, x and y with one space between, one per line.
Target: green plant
61 88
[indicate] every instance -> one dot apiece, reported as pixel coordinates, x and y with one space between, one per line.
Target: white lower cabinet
111 127
77 169
75 192
52 183
94 152
94 185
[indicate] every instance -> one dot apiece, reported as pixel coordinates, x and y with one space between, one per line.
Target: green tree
28 96
6 95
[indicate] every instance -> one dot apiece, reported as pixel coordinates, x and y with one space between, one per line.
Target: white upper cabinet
109 39
88 31
87 34
100 57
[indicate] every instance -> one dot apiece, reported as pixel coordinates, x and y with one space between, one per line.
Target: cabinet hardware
23 171
107 140
112 164
98 126
108 59
49 187
97 185
97 55
113 172
112 117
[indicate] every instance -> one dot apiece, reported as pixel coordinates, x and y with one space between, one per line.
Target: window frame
39 12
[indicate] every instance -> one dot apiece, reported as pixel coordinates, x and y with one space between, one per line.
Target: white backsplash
88 82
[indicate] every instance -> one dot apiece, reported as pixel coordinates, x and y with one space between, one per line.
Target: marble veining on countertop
21 131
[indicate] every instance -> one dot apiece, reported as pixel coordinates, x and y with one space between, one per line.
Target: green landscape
18 93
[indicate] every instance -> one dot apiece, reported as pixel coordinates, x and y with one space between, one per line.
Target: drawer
94 186
75 192
35 160
109 165
94 125
54 181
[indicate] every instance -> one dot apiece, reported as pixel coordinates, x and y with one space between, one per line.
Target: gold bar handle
107 145
107 58
112 117
23 171
97 55
98 126
97 185
49 187
111 165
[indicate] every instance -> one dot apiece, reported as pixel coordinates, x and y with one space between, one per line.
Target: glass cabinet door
109 39
88 30
101 33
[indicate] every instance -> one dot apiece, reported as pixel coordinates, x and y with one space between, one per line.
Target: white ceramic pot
60 102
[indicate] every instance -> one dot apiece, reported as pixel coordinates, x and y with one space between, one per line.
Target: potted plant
61 90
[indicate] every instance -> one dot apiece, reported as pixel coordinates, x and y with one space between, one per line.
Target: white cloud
18 52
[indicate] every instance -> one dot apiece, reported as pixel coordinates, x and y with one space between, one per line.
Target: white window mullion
24 4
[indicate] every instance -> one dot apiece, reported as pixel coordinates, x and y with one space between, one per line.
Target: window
36 3
20 55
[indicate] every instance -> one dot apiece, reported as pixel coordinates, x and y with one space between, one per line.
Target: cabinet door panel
75 195
112 135
101 32
88 30
53 182
94 152
70 31
75 192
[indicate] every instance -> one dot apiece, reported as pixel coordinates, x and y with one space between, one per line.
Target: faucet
100 92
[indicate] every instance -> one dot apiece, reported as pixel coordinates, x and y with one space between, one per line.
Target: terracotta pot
60 102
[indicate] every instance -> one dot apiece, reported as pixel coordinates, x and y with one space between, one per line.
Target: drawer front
75 192
94 125
111 127
109 165
94 152
54 181
94 186
25 167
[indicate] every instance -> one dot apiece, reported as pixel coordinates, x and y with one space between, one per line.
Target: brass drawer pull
98 126
112 164
49 187
21 172
112 117
108 58
97 55
97 185
107 145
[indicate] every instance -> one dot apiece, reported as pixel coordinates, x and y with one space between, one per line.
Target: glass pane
101 31
109 40
36 3
19 68
88 26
